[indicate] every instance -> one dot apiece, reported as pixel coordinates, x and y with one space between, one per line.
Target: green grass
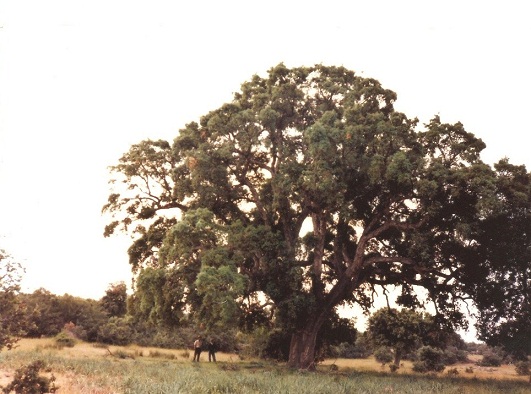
107 374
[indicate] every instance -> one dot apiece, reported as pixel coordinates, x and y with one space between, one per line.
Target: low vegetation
86 368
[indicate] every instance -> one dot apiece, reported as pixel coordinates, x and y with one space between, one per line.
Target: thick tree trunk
302 348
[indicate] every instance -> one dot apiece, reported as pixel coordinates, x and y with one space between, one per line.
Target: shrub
363 346
490 359
522 368
117 331
64 339
276 345
453 355
166 339
383 355
453 372
75 331
349 350
430 359
28 381
393 367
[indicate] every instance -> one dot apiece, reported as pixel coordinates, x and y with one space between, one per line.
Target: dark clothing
197 353
212 349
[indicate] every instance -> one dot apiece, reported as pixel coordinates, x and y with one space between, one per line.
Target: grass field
99 370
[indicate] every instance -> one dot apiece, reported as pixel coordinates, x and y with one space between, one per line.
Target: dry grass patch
504 372
89 368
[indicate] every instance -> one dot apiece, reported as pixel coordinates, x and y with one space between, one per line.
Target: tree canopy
501 283
306 192
402 330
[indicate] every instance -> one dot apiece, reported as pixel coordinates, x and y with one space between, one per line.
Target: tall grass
105 374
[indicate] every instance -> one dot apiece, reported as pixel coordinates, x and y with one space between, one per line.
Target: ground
69 382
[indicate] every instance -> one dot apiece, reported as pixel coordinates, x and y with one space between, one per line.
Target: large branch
392 224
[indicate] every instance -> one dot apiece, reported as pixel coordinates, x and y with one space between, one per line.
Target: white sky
80 81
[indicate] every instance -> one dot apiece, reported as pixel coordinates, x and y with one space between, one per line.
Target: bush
522 368
64 339
28 381
490 359
164 338
349 350
150 335
278 344
430 359
342 350
75 331
453 355
393 367
453 372
363 346
116 331
383 355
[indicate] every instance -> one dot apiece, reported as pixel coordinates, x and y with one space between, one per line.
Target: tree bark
303 341
302 348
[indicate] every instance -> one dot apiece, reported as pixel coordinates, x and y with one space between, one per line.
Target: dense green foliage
383 354
114 302
12 310
501 286
430 359
302 194
49 313
402 330
405 331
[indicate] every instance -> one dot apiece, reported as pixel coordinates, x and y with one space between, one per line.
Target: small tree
403 331
114 302
12 313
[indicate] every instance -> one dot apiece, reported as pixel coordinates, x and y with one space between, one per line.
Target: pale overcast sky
80 81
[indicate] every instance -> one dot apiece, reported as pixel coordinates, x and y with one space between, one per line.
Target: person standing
197 348
212 349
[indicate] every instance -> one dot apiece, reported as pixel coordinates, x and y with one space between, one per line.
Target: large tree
501 283
305 192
